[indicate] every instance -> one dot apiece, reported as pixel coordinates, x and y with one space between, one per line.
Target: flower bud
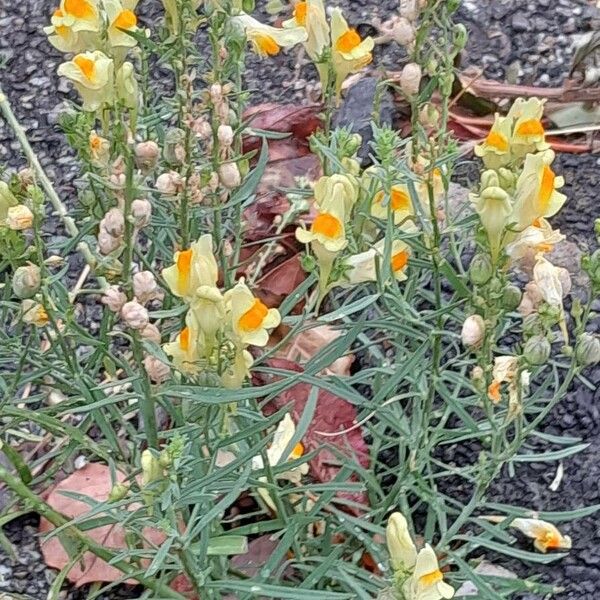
480 270
429 116
587 351
118 492
225 135
151 469
460 36
26 281
473 331
216 93
145 287
7 199
141 211
229 174
173 146
410 79
146 155
99 148
126 86
165 460
26 177
19 217
34 313
169 183
202 128
403 554
113 223
107 243
134 315
511 297
157 370
114 298
151 333
537 350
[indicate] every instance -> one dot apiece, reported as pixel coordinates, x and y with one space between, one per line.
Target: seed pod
473 331
480 270
145 287
169 183
511 297
141 211
225 136
146 155
151 333
174 139
114 298
229 174
410 79
26 281
107 243
19 218
537 350
118 492
134 315
157 370
113 223
587 351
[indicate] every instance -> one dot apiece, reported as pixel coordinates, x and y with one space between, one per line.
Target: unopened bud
114 298
537 350
26 281
402 550
113 223
146 155
134 315
429 116
473 331
151 333
151 469
410 79
173 150
460 36
587 350
145 287
157 370
165 460
118 492
480 270
169 183
225 135
141 211
229 174
19 218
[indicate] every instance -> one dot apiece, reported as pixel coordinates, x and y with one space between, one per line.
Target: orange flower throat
348 41
252 319
327 225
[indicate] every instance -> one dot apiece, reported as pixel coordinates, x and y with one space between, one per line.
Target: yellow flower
120 20
427 581
327 229
336 191
505 370
187 349
311 15
99 149
238 371
536 193
250 318
283 435
495 150
528 131
193 267
267 40
34 313
62 36
350 53
403 553
535 239
126 86
363 265
78 15
398 203
208 308
545 535
92 74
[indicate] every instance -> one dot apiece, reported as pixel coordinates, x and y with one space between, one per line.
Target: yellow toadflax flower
250 318
120 20
187 349
495 150
283 435
99 148
78 15
528 131
267 40
311 15
92 74
402 550
537 192
193 268
545 535
398 203
535 239
336 191
350 53
62 36
363 265
427 581
327 230
34 313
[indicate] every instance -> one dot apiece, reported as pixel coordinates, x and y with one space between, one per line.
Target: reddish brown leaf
332 414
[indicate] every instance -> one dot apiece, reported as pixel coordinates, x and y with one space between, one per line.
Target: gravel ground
518 41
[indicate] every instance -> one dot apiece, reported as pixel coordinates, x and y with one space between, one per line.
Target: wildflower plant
160 362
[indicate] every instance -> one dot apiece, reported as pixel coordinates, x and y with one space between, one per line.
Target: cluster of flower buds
219 326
